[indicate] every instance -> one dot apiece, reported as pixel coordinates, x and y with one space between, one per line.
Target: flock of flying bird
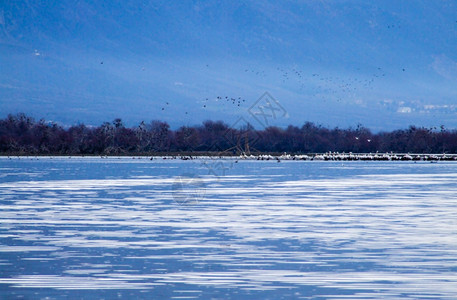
321 86
325 87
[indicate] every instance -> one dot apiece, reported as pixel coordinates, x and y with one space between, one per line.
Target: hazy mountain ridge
78 61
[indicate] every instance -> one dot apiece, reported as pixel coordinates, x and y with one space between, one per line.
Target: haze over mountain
384 64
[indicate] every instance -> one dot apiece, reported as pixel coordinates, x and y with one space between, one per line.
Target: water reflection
300 229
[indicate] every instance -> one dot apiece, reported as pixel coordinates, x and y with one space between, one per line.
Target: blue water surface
126 227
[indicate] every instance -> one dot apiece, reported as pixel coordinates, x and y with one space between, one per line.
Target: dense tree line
21 135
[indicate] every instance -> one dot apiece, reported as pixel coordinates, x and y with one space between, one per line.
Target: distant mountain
383 64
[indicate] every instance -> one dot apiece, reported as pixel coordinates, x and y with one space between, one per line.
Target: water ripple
368 232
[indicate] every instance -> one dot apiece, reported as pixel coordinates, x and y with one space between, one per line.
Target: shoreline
329 156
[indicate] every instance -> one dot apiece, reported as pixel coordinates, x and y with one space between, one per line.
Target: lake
226 229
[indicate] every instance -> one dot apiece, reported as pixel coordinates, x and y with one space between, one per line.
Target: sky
383 64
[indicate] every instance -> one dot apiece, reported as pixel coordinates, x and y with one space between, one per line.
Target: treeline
22 135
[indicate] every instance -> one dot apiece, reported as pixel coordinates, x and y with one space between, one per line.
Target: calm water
135 228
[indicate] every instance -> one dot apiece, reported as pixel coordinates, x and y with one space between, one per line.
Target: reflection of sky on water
111 227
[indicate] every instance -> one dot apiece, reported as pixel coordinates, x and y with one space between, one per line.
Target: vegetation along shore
23 135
